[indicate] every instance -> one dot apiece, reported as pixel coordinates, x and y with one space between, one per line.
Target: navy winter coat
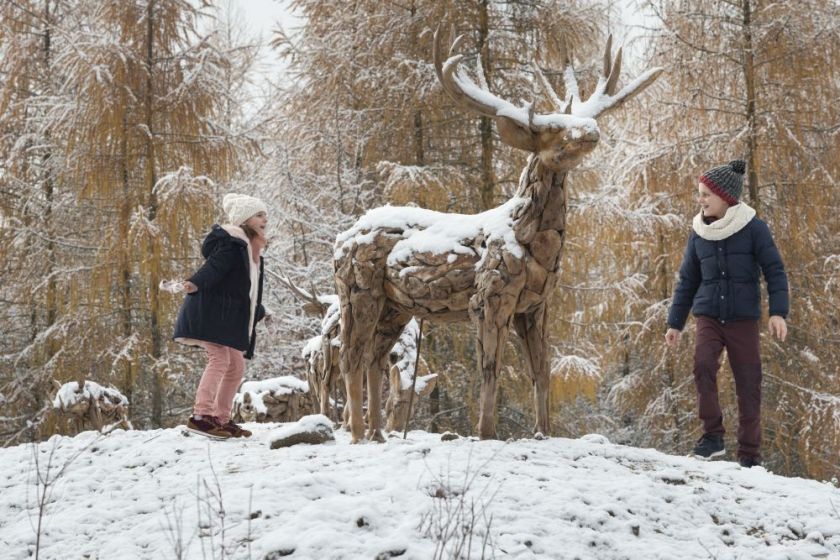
720 279
220 310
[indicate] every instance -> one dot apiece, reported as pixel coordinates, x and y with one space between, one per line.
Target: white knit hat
240 207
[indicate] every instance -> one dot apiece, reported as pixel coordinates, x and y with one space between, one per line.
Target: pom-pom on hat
726 181
240 207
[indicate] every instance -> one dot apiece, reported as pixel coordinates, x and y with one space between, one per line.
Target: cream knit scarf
733 221
236 231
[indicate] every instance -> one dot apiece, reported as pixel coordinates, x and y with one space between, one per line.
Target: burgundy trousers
740 338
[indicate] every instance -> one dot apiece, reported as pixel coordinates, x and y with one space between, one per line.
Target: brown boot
207 426
235 430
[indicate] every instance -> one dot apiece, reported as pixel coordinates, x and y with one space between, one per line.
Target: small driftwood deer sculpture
322 368
496 268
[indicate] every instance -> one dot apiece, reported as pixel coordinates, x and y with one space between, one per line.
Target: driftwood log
279 399
85 404
500 266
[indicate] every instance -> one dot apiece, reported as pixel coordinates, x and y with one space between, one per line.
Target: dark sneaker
208 427
708 446
749 462
235 430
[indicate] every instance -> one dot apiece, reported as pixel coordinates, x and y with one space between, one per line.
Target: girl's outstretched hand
189 287
777 327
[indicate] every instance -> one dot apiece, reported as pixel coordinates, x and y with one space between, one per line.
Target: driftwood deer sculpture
496 268
321 351
322 368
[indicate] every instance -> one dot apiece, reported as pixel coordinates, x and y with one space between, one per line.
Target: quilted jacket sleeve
689 281
773 268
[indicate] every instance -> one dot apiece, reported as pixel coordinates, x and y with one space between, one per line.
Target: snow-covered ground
137 494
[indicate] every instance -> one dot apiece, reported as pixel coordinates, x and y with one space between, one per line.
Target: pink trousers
219 382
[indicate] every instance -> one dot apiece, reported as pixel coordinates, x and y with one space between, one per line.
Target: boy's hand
777 327
672 336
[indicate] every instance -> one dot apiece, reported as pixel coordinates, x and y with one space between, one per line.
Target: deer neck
545 191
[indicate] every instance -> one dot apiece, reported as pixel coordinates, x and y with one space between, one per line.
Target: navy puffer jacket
220 310
719 278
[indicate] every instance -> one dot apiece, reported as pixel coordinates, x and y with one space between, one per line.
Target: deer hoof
376 435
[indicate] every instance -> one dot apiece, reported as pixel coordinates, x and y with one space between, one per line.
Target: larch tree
151 137
38 243
743 80
136 120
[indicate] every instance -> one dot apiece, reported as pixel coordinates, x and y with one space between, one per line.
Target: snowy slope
125 494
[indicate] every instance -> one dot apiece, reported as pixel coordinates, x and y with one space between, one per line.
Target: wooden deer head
559 139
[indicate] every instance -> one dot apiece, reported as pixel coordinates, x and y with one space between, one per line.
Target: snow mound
126 494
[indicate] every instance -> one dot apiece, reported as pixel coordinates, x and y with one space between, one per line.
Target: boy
719 283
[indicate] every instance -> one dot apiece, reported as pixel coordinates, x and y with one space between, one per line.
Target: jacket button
720 248
723 274
722 297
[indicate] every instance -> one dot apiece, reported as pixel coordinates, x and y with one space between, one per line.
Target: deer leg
325 380
388 330
374 410
492 327
360 312
531 329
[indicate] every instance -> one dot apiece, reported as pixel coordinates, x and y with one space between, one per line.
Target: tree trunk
671 381
154 263
49 187
485 127
125 263
752 133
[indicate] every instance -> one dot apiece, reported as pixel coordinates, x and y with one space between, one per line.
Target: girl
719 283
221 310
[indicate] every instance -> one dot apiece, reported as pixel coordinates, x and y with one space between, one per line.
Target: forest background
122 123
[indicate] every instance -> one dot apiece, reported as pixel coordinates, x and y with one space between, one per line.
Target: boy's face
711 204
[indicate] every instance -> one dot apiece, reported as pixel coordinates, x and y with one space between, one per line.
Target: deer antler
476 97
603 98
312 302
518 126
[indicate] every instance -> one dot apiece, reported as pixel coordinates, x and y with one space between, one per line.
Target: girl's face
258 222
711 205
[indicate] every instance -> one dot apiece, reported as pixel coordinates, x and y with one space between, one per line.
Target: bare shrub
458 521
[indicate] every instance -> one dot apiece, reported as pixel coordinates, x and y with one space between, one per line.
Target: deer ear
514 134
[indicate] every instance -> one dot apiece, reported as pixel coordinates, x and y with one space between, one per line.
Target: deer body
495 269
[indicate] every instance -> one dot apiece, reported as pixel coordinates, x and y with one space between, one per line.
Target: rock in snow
312 429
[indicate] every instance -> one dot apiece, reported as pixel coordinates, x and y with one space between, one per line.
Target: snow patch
427 231
69 394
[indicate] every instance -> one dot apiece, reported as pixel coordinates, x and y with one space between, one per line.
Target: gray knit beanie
726 181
